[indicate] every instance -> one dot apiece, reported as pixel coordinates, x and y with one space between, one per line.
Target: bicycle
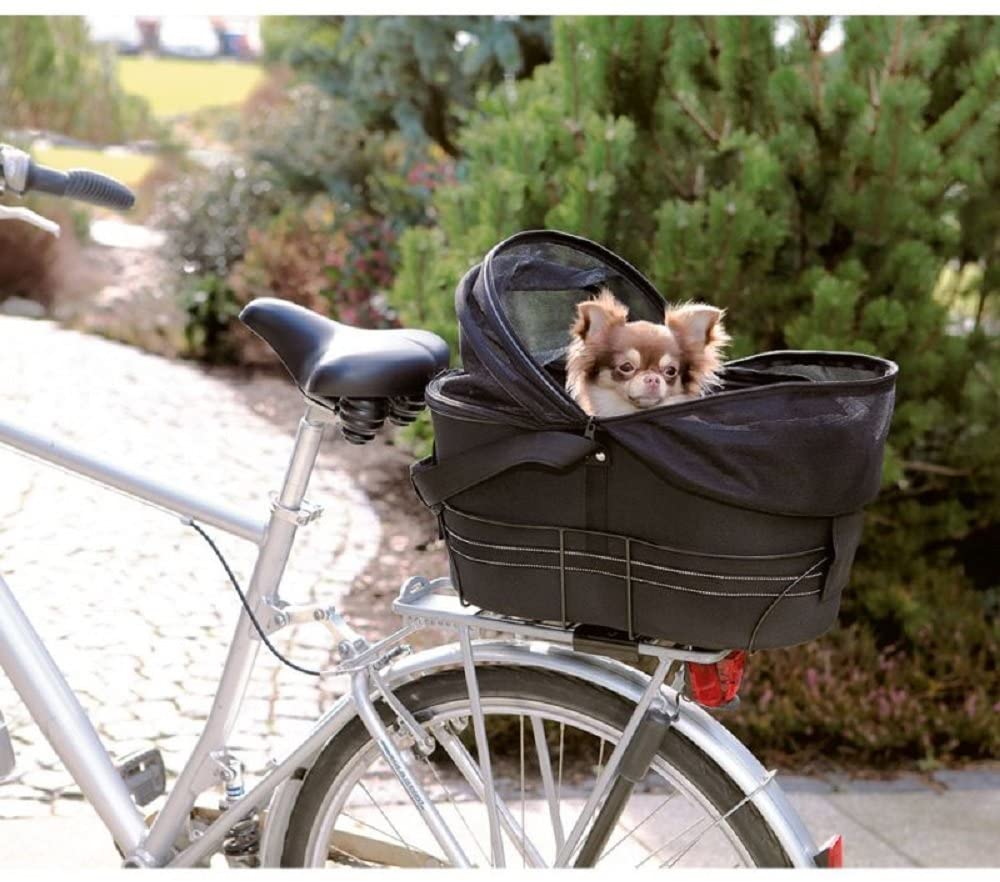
393 773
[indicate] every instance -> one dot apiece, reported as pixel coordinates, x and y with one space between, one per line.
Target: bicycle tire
554 690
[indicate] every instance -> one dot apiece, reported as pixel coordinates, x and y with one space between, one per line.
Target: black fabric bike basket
726 522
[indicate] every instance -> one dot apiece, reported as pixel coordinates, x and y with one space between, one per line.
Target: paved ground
132 604
904 823
138 614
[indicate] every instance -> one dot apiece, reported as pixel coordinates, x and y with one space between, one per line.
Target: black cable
246 606
778 598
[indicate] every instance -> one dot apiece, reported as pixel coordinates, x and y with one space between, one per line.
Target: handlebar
22 174
87 186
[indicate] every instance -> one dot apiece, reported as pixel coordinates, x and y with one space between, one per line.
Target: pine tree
414 74
818 196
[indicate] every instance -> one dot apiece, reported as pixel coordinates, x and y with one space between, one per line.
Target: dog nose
651 381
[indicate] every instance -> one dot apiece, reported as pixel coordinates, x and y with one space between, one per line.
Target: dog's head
616 366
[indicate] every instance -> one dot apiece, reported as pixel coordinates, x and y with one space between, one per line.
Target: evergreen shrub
818 196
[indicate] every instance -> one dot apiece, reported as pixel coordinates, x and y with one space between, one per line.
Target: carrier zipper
590 429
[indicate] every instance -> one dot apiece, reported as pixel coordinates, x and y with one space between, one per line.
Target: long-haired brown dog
617 367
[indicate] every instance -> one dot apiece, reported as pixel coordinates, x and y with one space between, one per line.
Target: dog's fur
617 367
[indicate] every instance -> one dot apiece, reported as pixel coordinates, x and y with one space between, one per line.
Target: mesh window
538 284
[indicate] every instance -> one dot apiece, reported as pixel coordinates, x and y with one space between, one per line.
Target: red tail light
831 855
717 684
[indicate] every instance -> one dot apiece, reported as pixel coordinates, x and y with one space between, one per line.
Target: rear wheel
549 737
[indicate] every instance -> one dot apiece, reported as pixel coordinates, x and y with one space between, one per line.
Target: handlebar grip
87 186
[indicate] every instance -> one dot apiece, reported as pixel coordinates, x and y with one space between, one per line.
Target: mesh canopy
797 433
515 311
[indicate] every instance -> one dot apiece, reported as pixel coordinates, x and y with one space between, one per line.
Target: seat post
303 459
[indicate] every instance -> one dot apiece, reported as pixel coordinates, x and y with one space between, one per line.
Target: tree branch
930 468
685 192
710 133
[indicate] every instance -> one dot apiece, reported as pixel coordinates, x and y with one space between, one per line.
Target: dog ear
695 324
595 316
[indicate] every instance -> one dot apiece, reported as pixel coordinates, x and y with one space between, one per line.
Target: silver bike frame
51 702
692 723
56 710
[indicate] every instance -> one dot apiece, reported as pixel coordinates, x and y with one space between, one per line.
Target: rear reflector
831 855
716 685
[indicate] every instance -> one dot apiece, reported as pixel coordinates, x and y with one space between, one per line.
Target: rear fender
693 723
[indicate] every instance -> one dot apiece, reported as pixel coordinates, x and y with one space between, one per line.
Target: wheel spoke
397 835
458 811
562 748
361 823
632 831
482 746
467 766
719 820
670 841
545 766
377 851
520 720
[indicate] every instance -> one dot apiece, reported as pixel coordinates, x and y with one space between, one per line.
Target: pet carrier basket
730 521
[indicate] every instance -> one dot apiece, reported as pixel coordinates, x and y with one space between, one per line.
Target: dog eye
626 368
670 371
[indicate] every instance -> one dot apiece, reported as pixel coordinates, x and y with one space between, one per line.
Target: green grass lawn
177 86
129 168
174 87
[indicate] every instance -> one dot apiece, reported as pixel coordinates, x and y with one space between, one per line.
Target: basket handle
437 481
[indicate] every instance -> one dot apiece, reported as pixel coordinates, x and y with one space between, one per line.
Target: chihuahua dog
616 367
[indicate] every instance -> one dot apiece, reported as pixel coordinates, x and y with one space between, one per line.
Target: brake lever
29 217
14 165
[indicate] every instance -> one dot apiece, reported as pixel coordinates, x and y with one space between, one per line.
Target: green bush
817 197
360 269
313 143
307 255
232 240
857 696
207 217
55 79
211 311
311 216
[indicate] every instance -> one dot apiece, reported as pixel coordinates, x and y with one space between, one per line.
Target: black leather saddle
359 372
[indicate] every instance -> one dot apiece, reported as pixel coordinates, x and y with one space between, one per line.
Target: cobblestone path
132 604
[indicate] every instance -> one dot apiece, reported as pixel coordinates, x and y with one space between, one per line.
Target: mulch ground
410 543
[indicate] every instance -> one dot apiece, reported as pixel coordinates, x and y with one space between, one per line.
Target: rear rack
429 603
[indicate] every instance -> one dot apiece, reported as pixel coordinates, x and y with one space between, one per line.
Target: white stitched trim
634 563
494 563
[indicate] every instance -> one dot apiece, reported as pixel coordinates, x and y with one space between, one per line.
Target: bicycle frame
55 708
64 723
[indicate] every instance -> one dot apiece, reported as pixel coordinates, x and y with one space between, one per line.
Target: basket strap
596 506
845 535
437 481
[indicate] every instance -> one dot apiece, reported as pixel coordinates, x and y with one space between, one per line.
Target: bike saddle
349 368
